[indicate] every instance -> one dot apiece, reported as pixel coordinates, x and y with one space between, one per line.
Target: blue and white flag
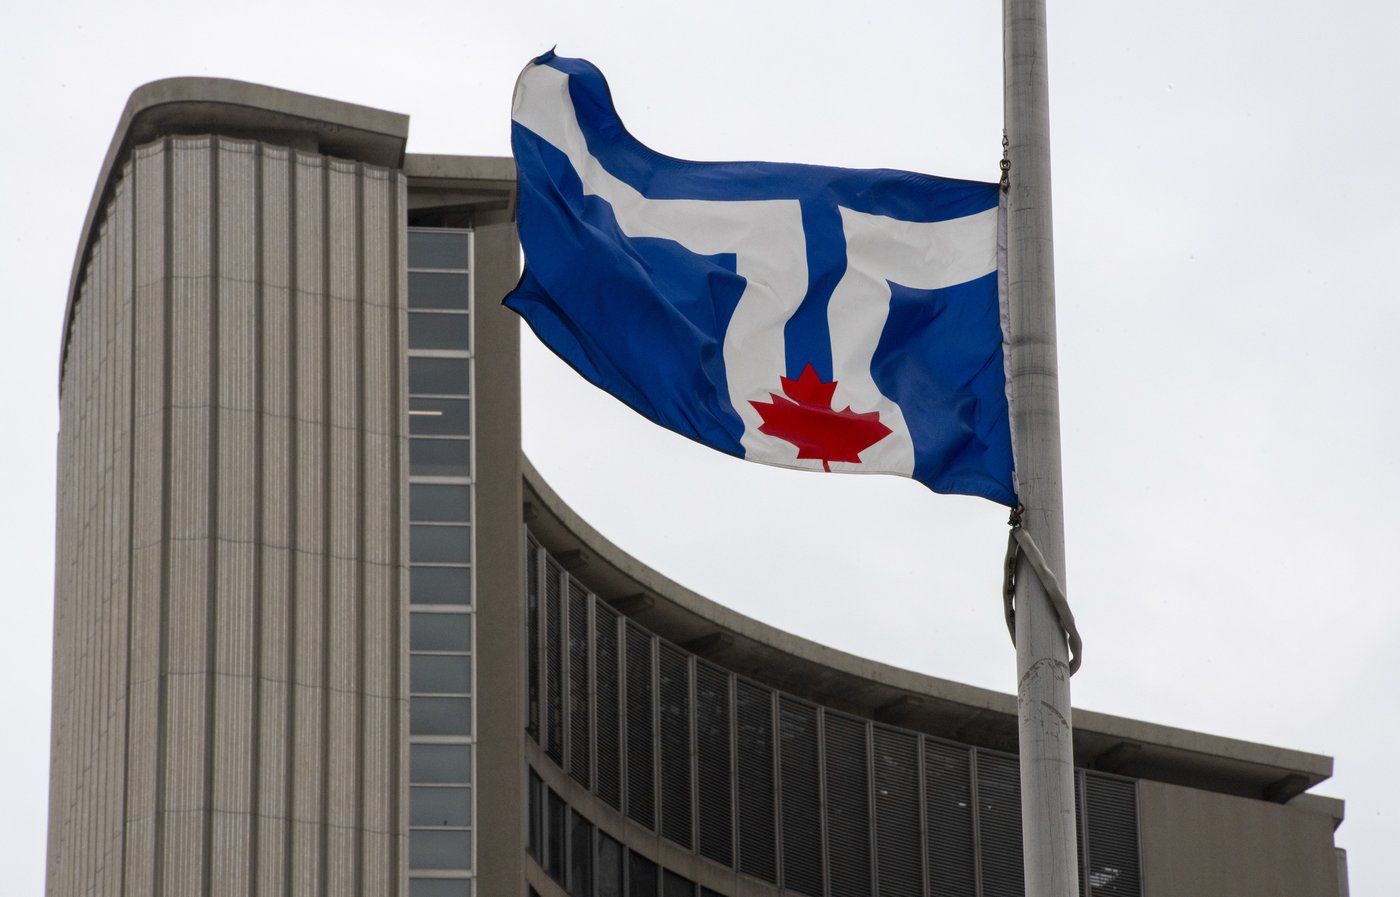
809 317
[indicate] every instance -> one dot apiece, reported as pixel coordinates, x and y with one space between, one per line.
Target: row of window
441 805
816 801
587 863
439 421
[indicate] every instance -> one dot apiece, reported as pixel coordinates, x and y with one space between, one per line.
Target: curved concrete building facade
320 629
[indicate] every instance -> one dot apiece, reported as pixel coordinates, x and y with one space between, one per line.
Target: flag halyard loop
1019 542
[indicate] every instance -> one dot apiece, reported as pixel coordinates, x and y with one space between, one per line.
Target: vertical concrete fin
228 703
89 779
500 559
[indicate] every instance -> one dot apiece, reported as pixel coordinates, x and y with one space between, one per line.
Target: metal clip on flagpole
1018 542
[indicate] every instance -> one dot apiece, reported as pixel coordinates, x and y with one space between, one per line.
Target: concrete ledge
436 166
466 191
896 696
1333 808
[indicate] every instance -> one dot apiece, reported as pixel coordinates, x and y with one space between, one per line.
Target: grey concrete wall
500 770
229 701
1203 844
93 574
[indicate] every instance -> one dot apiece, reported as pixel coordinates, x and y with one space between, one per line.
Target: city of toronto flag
818 318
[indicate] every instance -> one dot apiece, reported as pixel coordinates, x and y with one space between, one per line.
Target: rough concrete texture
234 108
229 704
500 772
1202 844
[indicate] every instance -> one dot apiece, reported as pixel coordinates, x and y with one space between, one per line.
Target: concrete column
500 768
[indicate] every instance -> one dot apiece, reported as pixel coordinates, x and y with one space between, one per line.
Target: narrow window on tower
441 662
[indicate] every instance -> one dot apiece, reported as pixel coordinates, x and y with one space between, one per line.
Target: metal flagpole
1047 758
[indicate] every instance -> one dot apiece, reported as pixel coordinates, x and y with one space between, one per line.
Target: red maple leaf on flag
806 419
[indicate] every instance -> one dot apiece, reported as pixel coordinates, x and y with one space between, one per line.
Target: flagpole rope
1005 183
1019 542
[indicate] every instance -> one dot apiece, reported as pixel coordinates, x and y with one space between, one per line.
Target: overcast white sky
1226 201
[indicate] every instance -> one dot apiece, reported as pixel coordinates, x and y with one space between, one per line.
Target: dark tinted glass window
677 886
580 856
439 289
439 376
441 669
642 878
534 836
432 502
437 249
439 544
609 867
434 330
439 417
440 632
440 887
439 762
554 809
440 806
440 674
439 716
439 457
439 850
440 585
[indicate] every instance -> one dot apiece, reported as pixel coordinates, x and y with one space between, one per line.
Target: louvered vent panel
714 788
641 751
756 789
847 806
952 861
674 694
606 685
898 841
801 796
553 662
999 822
1113 837
1079 827
580 686
532 636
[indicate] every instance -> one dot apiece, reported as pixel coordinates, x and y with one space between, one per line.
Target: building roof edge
981 716
235 108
